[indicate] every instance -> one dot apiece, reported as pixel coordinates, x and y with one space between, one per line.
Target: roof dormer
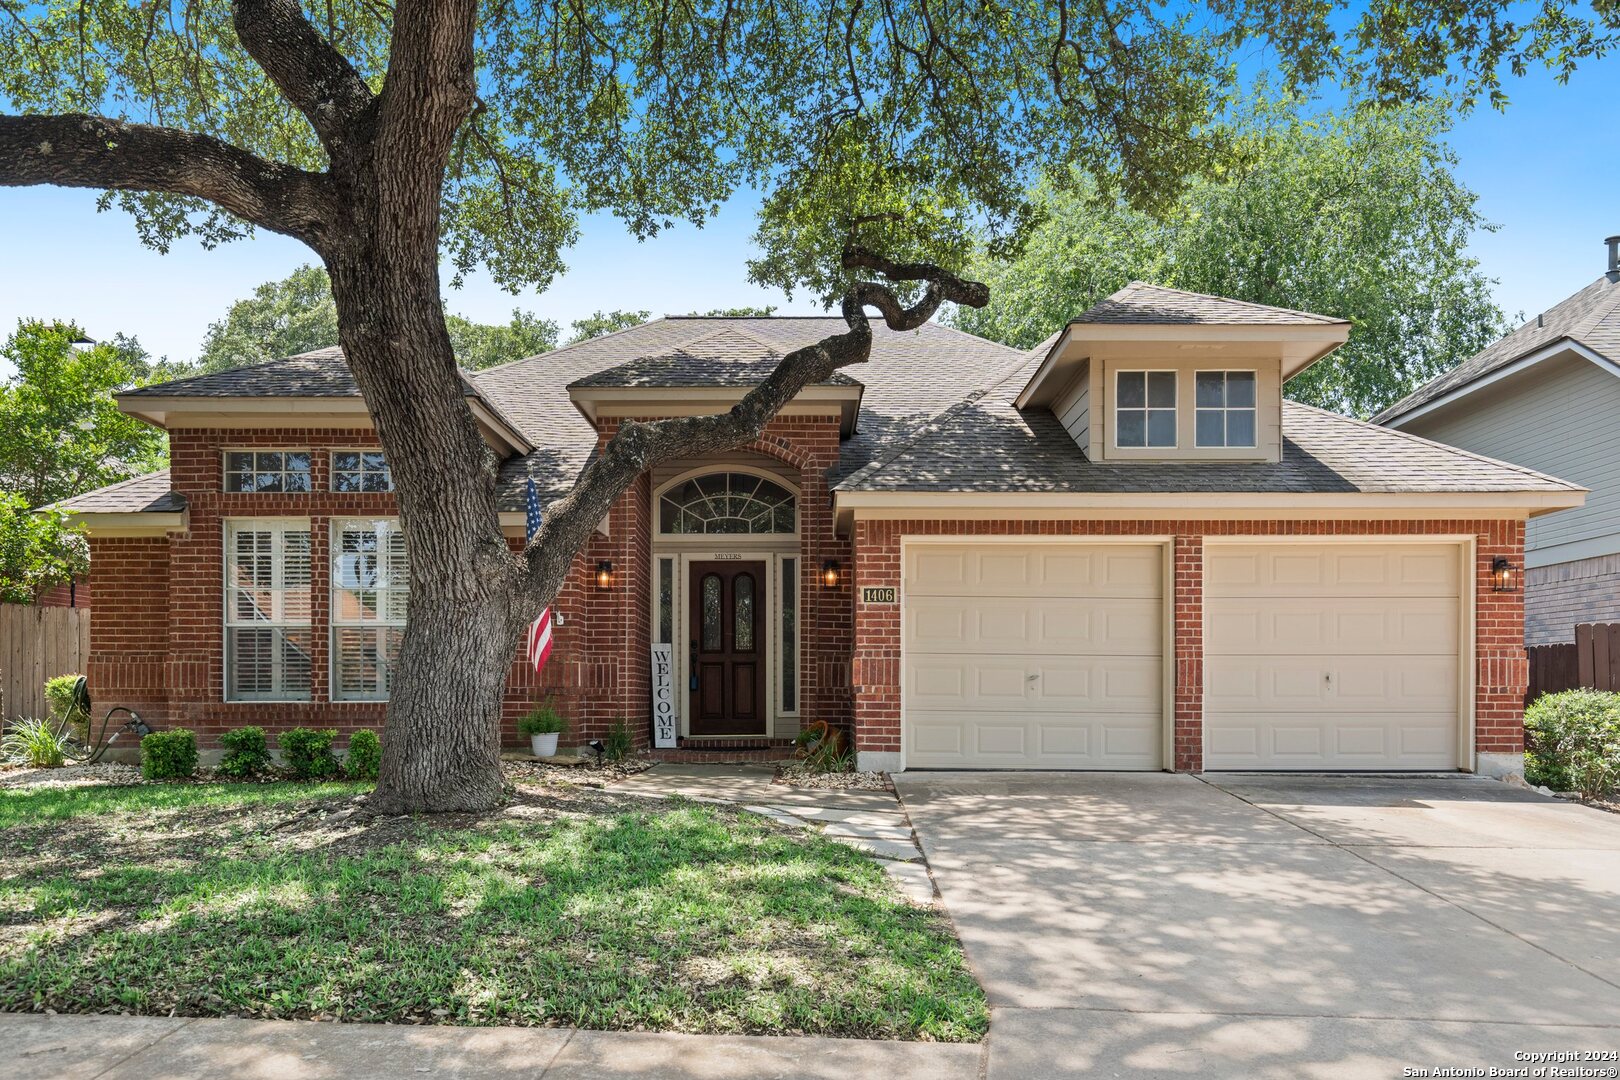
1156 374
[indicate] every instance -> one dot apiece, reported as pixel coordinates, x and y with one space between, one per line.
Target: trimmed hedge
307 753
1573 742
365 756
169 755
247 753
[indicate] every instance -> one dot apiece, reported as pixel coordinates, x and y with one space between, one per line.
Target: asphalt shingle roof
1140 302
319 373
984 444
723 358
1591 318
147 494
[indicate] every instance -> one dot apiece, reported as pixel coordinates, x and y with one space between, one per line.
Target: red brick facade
157 639
1501 669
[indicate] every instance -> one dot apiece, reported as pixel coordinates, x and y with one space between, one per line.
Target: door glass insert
666 600
711 613
743 605
790 635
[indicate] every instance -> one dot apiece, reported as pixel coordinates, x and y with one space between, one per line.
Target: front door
726 669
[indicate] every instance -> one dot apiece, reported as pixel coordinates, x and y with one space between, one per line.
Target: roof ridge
551 354
114 486
1601 311
719 330
1455 451
1138 283
185 379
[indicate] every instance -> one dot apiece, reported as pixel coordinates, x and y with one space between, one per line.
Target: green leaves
1356 215
37 550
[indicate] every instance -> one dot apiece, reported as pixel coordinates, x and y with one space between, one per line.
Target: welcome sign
663 695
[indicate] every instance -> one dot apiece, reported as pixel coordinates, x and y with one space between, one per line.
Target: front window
360 470
727 503
1145 409
267 470
370 584
1225 408
267 611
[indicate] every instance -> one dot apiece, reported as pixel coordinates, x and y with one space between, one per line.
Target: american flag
540 631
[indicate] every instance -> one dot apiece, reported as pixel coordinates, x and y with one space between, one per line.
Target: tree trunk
441 742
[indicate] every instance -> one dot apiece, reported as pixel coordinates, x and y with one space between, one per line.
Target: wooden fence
1593 660
38 643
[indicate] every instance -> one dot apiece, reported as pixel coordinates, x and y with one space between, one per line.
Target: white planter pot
544 745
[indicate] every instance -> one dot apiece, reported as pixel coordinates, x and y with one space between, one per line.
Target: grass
570 907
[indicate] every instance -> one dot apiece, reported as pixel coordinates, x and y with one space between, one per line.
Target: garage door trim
1167 569
1467 595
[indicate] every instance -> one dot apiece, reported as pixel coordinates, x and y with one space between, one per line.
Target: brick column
1502 668
876 666
1189 659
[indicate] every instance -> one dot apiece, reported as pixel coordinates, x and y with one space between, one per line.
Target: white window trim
335 528
280 526
332 469
1113 399
1226 373
711 539
225 467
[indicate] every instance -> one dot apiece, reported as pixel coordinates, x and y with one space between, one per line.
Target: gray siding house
1547 396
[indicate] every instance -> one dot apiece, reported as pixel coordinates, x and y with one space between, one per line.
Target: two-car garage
1053 654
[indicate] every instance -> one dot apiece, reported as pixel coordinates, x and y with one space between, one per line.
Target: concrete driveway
1257 926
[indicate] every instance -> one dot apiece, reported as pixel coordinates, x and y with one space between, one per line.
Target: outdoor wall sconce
604 575
829 574
1504 575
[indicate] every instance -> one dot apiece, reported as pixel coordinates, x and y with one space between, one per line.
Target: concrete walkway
155 1048
1129 925
869 821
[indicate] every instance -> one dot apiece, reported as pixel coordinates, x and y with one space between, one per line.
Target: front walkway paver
152 1048
869 821
1150 924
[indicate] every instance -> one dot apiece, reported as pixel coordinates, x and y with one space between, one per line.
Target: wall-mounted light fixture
1504 575
829 574
604 575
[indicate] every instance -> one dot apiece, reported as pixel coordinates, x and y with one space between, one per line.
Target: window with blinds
267 610
370 583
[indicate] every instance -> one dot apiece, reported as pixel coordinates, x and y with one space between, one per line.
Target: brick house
1120 550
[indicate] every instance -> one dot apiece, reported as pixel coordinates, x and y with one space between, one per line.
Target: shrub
543 719
1574 741
365 755
38 744
63 709
307 753
616 747
246 752
821 747
169 755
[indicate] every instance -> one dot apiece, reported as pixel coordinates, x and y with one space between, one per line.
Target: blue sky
1544 171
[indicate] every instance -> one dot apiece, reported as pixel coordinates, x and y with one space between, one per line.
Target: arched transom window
727 503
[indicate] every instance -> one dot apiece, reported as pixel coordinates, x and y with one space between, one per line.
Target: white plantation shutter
370 589
267 610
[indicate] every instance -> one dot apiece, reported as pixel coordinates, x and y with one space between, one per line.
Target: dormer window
1225 408
1145 409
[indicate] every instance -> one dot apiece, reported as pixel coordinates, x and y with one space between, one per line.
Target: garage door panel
1060 684
1298 624
1345 684
1016 570
1033 656
1034 626
1346 570
1332 656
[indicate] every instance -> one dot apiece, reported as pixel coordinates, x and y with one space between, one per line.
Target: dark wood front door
727 648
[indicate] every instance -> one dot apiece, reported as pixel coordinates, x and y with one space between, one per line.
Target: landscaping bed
571 905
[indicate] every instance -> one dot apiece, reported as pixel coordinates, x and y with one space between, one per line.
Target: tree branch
641 445
318 80
78 150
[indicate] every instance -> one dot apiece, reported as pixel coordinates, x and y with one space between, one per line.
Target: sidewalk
158 1048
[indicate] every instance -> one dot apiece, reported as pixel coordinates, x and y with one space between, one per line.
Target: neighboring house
1547 396
1123 550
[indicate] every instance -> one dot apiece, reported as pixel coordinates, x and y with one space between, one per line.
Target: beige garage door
1331 656
1033 656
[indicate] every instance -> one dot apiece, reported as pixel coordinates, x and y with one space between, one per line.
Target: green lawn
571 907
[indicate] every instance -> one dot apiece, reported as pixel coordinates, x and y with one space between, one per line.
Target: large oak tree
389 137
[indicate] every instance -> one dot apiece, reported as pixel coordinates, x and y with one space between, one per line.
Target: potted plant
543 724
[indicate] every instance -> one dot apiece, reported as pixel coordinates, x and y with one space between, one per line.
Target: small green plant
617 745
247 753
307 753
365 756
1574 741
822 749
543 719
169 755
62 706
38 744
